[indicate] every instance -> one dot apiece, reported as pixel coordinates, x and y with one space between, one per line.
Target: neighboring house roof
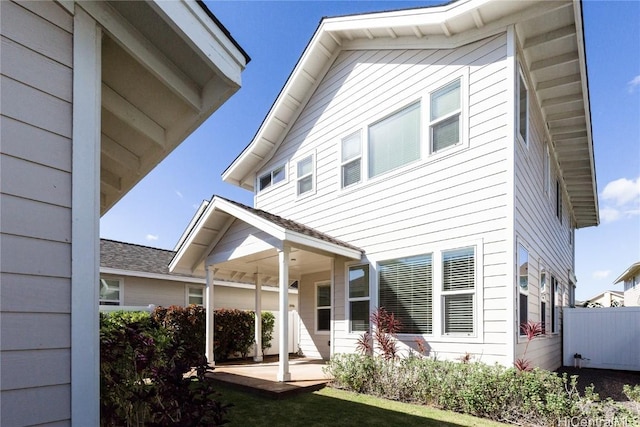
129 256
630 272
215 218
551 34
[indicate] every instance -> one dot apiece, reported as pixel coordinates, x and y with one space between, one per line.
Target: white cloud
179 194
633 84
621 199
152 237
609 215
622 191
601 274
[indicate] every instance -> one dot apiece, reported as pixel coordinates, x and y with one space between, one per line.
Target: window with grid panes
445 117
359 310
351 165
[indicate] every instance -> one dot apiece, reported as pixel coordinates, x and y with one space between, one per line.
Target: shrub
268 323
142 372
535 397
186 329
234 333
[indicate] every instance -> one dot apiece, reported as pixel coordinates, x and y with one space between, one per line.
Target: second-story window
445 124
351 160
523 108
305 175
559 201
394 141
272 177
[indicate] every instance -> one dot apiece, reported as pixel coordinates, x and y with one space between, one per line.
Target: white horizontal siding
538 228
312 344
458 196
35 213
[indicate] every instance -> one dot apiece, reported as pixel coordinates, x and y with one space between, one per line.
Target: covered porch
230 241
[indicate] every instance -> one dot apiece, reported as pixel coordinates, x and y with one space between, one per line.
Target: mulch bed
607 383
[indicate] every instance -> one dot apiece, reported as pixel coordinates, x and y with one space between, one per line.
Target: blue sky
274 34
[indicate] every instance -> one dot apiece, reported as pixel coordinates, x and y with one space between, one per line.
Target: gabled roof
217 216
630 272
552 41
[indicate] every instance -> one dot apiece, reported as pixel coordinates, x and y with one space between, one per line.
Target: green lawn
331 407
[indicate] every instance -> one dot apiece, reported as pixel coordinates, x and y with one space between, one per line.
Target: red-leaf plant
531 330
385 328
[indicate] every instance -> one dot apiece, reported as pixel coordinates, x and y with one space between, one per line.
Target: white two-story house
432 161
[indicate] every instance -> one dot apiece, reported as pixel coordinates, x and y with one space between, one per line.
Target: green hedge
537 397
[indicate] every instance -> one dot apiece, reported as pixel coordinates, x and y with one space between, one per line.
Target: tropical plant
268 323
531 330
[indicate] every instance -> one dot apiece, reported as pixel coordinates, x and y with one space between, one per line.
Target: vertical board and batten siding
456 196
36 79
312 344
606 338
539 230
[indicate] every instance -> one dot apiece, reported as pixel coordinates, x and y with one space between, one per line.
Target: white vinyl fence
605 338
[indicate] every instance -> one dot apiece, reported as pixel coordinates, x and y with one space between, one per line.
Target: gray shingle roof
294 226
129 256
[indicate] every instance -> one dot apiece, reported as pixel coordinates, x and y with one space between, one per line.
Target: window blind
394 141
406 290
458 286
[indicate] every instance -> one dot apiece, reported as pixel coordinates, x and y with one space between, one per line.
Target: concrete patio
260 377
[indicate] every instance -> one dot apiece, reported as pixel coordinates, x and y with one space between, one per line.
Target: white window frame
317 308
120 291
559 200
438 310
458 112
556 303
522 292
188 289
522 78
344 162
386 117
472 291
271 173
312 158
379 269
349 299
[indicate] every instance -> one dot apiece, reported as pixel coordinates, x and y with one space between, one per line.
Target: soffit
166 66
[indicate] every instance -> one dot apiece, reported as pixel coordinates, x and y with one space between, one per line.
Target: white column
208 304
258 318
85 222
283 360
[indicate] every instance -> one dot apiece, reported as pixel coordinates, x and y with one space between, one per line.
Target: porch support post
283 359
258 319
208 303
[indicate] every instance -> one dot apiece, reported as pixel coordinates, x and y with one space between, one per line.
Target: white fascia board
577 8
144 274
190 234
245 163
187 230
629 273
188 19
322 245
251 219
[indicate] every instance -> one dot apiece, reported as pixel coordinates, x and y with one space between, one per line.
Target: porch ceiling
255 250
166 66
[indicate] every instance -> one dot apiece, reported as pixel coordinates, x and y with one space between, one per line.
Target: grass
337 408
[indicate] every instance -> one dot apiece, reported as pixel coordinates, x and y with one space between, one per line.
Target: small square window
272 177
195 295
110 292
